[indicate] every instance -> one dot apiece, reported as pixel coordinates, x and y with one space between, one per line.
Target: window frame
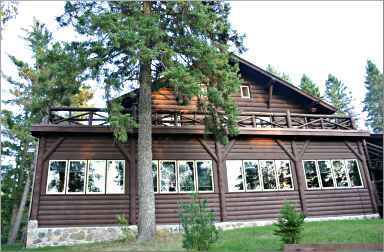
194 176
176 175
242 94
242 175
317 174
358 169
197 178
275 173
259 175
85 177
290 172
346 173
157 174
65 177
332 174
106 177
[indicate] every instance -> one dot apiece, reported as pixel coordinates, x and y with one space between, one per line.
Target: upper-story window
244 91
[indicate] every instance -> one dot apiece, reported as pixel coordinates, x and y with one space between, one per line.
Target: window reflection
311 174
167 176
268 174
56 176
186 176
204 175
252 176
96 176
76 175
234 175
340 173
353 172
154 174
326 173
283 169
115 176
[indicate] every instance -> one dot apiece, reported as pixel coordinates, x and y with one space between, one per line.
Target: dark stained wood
208 149
37 180
220 170
132 182
53 148
270 93
125 153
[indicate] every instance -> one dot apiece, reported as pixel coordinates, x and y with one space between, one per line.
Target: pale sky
315 38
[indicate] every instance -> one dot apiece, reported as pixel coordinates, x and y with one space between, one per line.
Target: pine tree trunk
13 219
16 226
146 225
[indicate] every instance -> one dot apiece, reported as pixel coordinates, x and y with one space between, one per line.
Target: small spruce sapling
289 224
197 221
126 233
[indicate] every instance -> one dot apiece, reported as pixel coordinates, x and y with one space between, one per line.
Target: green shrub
289 224
197 221
126 233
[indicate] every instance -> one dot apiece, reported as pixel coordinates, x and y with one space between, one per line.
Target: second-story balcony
97 117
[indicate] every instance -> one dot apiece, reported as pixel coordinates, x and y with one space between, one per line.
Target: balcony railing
98 117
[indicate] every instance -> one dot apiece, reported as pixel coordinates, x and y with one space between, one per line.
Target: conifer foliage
338 95
308 86
374 98
185 44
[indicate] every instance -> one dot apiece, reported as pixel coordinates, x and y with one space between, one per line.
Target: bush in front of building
289 224
126 233
197 221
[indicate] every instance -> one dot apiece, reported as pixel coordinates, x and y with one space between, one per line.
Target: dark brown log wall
73 210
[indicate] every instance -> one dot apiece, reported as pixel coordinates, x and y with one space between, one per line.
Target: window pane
311 174
115 176
167 176
56 176
283 169
204 175
154 174
96 176
340 173
76 175
234 175
268 174
251 172
353 172
186 176
326 173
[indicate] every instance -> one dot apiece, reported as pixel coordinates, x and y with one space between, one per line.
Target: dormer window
244 91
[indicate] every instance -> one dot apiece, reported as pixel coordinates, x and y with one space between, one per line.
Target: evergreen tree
52 80
308 86
374 98
338 95
281 75
185 44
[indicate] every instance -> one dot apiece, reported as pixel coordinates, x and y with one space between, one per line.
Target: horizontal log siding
331 202
82 210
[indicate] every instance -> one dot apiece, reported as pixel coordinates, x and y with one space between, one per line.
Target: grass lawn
246 239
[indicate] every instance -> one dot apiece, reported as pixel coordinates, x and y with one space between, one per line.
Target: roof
276 80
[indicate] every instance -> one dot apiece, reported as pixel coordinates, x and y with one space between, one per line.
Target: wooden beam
221 185
228 148
270 93
206 147
291 156
37 180
301 154
132 181
350 147
300 178
123 151
52 149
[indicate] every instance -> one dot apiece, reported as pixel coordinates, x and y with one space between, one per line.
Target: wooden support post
90 118
270 93
254 121
132 182
289 119
221 185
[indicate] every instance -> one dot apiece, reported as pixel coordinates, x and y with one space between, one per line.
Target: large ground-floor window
182 176
259 175
85 176
328 174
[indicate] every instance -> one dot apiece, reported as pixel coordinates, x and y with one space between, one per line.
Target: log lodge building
291 147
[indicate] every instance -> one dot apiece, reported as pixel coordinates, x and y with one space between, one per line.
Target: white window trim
346 173
258 172
65 177
242 175
290 175
194 176
157 174
242 94
274 171
106 176
212 179
85 176
332 174
317 173
358 168
176 175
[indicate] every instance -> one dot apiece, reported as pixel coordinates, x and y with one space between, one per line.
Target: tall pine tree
186 44
374 98
308 86
281 75
52 80
338 95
